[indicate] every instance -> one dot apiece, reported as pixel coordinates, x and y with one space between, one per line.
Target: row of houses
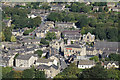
111 7
84 64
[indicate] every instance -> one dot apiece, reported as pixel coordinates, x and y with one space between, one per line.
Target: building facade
74 49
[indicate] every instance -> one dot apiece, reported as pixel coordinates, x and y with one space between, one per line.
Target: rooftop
74 46
86 62
25 57
116 62
47 67
42 60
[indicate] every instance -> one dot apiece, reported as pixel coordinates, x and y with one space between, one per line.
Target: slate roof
25 57
31 40
43 67
74 46
63 64
45 60
53 30
89 49
111 46
86 62
71 32
6 58
116 62
47 67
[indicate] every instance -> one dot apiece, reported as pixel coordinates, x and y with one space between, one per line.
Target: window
87 37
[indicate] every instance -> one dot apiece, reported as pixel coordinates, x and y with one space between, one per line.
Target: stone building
47 62
73 35
111 64
89 37
50 71
83 64
74 49
65 24
25 61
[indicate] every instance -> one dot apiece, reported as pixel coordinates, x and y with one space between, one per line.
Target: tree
70 72
82 22
100 4
112 34
28 73
40 74
44 42
92 22
45 6
14 74
5 71
50 36
95 58
7 32
36 21
106 9
114 57
97 72
100 33
39 52
113 74
13 39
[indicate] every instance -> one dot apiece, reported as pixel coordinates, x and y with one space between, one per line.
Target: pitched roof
106 45
43 67
47 67
25 57
45 60
6 58
71 32
53 30
74 46
86 62
107 62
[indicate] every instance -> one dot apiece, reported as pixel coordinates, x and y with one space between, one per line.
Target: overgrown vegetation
8 72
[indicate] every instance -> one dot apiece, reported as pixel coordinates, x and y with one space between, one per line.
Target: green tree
13 39
82 22
114 57
100 33
70 72
100 4
45 6
112 34
97 72
5 71
43 41
7 32
39 52
95 58
50 36
106 9
40 74
28 73
36 21
14 74
113 74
